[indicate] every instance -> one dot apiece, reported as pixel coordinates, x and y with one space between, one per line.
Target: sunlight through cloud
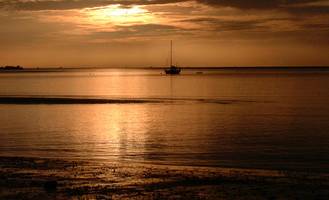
118 15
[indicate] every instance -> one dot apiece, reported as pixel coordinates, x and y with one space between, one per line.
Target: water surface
246 119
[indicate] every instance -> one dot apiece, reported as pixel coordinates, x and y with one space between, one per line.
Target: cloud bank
207 32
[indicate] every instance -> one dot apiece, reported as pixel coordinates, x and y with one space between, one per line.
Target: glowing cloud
118 15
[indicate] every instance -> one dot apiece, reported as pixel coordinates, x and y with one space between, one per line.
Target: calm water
249 119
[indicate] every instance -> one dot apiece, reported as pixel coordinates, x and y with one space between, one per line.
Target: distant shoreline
240 68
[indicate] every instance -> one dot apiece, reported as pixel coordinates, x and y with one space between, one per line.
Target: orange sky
136 33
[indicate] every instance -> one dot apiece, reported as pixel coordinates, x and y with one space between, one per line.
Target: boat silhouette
172 70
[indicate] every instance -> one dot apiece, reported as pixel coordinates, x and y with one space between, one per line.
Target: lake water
273 119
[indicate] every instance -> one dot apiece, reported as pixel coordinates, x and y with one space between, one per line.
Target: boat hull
173 71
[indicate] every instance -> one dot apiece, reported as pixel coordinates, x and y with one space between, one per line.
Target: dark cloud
240 26
317 27
266 28
215 24
74 4
291 6
253 4
143 30
302 10
286 5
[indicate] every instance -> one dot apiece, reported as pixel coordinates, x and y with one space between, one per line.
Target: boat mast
170 53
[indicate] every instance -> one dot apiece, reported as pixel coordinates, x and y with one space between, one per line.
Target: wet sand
37 178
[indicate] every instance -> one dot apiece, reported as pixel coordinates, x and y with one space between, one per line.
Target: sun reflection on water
117 131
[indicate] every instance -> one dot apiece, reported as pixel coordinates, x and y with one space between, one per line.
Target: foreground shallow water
35 178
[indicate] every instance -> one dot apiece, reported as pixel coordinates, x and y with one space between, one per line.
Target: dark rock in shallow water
50 186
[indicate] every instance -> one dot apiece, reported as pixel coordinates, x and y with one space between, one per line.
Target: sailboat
172 70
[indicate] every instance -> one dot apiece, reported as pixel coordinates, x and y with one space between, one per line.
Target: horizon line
189 67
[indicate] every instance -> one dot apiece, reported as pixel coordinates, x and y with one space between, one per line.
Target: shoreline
222 68
27 177
62 99
70 100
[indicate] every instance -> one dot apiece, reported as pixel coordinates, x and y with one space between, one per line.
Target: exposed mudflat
35 178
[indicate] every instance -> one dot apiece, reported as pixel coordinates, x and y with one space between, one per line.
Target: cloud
253 4
216 24
300 7
73 4
136 31
292 6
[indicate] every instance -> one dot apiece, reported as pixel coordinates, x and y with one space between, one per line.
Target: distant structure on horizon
172 70
11 68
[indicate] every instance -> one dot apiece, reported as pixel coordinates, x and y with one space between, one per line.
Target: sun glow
117 15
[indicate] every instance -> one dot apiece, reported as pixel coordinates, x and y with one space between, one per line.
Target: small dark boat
172 70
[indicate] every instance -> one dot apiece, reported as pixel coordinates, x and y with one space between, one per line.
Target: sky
137 33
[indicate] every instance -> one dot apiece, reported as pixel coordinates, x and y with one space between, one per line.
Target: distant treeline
11 68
